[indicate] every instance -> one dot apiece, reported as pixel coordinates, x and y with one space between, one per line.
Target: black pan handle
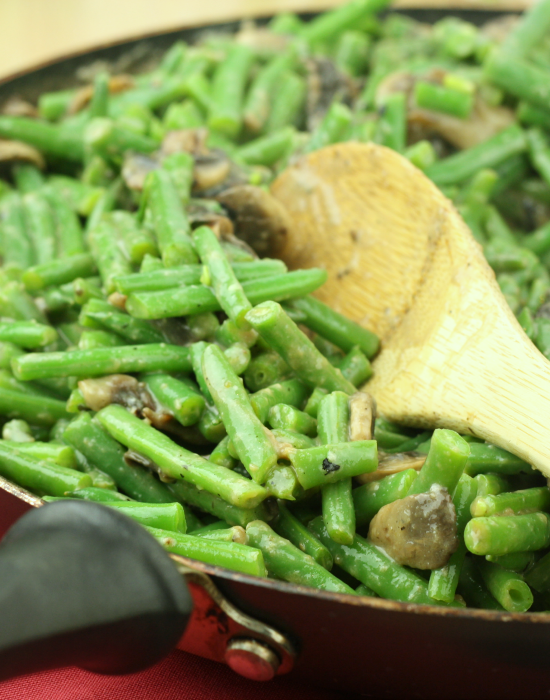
81 584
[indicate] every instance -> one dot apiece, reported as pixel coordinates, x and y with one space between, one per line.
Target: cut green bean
498 535
184 404
285 561
178 462
507 587
328 464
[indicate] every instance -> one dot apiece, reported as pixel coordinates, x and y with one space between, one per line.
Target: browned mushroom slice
135 169
484 122
419 530
200 214
18 107
260 220
392 464
362 413
185 140
81 98
211 170
325 84
116 388
16 150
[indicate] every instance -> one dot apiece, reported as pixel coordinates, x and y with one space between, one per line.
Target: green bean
504 534
444 581
286 417
110 139
369 498
27 334
70 240
336 499
178 462
288 526
314 401
284 336
134 240
285 561
352 52
516 561
223 281
539 576
443 99
261 92
247 433
40 226
334 127
225 113
334 327
391 129
100 361
539 152
488 458
99 103
62 455
287 108
533 116
507 587
444 464
163 278
90 340
519 78
36 409
267 150
264 370
27 177
88 437
291 392
281 482
37 474
461 166
57 272
96 495
109 257
183 301
490 484
374 568
355 367
172 229
329 25
473 588
238 356
210 503
133 330
327 464
13 229
518 502
59 141
529 31
184 404
220 454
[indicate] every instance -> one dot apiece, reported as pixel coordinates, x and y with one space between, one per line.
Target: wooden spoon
403 263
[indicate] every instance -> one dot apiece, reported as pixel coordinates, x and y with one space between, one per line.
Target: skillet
357 645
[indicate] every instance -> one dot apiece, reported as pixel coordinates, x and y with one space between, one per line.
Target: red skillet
368 647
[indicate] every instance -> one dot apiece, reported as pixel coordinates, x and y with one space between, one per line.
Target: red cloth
181 676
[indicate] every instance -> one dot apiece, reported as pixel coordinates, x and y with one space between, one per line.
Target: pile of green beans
152 361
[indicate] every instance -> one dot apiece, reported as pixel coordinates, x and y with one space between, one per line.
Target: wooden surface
35 31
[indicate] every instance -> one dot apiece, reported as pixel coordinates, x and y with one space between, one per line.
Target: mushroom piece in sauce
116 388
260 220
419 530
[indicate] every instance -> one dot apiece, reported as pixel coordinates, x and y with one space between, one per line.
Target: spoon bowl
403 263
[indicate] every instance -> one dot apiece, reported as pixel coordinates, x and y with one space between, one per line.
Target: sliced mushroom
116 388
17 151
484 122
200 212
362 413
419 530
392 464
185 140
118 300
135 169
260 220
18 107
81 98
211 170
